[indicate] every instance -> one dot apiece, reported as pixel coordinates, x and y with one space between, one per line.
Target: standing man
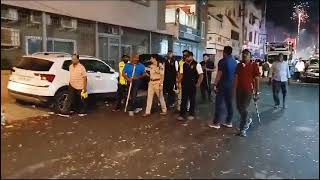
223 87
181 62
156 85
77 86
246 83
135 79
299 69
265 69
170 75
122 83
280 75
191 77
208 67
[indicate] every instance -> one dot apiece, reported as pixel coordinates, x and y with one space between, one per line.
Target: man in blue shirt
135 79
223 87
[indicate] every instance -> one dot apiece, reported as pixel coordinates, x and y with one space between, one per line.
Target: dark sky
280 11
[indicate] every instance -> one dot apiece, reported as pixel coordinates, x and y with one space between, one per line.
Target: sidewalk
14 111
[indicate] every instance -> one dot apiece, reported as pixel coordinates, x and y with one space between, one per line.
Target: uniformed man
191 77
181 62
170 74
122 83
155 85
208 67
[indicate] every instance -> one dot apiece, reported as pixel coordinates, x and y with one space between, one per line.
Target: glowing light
300 13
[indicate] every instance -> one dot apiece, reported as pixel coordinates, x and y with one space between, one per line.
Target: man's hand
161 87
84 90
198 84
215 89
288 81
256 96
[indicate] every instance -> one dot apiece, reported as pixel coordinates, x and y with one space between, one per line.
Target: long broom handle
205 66
130 87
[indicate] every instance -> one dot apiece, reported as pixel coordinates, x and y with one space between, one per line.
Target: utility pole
243 23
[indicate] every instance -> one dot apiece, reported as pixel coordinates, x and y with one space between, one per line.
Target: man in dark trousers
246 83
192 75
208 67
170 75
223 87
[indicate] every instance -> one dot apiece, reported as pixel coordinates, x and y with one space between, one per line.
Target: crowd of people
175 84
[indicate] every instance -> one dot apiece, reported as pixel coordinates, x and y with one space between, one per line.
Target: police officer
191 77
170 75
155 85
208 67
122 83
181 62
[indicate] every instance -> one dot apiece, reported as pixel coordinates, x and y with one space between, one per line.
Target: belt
154 79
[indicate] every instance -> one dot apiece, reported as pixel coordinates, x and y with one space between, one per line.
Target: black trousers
276 86
188 94
132 104
206 87
121 94
243 99
168 91
75 101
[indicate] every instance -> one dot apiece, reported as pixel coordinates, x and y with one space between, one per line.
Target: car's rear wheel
61 102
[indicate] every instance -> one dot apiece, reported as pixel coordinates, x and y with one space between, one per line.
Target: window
250 36
66 65
255 37
203 30
234 12
95 66
245 33
239 13
234 35
34 64
34 44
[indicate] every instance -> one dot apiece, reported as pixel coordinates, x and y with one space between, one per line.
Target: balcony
177 15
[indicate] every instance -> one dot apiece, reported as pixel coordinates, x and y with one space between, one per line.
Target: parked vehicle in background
44 78
311 73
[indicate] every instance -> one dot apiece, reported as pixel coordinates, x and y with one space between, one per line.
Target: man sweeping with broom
246 85
133 72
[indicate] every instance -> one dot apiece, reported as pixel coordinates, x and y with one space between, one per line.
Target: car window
34 64
95 66
66 65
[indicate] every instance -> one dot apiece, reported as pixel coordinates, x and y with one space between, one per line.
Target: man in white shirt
300 68
191 78
279 74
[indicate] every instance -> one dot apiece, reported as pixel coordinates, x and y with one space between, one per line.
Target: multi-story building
187 20
237 24
106 29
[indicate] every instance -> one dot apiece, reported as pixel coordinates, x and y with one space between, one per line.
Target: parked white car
44 78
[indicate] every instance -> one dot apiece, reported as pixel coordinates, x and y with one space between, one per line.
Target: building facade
105 29
187 21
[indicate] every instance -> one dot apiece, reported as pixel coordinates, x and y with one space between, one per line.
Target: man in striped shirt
77 85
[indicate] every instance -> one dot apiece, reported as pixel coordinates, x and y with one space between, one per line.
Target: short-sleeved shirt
209 65
156 72
139 71
227 66
77 75
246 74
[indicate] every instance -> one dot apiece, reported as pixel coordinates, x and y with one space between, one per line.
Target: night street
105 144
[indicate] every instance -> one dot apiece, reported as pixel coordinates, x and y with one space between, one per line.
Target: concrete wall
118 12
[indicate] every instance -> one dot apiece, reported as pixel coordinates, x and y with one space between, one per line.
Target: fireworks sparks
301 9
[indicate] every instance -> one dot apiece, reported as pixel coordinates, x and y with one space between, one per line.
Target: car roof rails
87 56
50 53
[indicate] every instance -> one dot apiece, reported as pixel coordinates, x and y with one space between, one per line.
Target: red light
48 77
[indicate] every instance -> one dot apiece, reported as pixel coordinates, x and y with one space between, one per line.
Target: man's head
170 54
135 59
125 58
300 59
280 57
206 57
75 59
154 59
246 55
227 50
190 57
185 54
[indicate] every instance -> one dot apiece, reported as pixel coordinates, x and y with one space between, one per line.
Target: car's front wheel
61 102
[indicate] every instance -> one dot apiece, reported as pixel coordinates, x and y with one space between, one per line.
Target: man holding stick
133 72
208 67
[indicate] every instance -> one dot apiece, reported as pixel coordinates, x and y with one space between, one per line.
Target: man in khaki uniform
155 85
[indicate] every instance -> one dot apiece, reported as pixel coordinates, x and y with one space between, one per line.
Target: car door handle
98 76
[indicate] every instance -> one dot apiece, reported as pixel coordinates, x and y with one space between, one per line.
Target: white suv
44 78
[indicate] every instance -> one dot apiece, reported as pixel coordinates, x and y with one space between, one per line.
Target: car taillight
48 77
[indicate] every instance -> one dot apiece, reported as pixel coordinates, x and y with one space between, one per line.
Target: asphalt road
105 144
